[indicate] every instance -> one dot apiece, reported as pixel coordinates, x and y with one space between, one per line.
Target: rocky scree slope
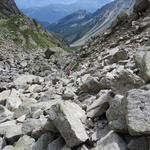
103 105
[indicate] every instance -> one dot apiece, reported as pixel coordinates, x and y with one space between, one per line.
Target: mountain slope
71 25
97 23
54 12
20 32
105 18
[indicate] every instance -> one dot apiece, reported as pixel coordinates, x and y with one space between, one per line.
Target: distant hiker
68 71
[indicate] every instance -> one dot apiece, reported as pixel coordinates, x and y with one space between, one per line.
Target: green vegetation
28 32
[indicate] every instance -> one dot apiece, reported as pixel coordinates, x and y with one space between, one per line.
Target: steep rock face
8 7
140 5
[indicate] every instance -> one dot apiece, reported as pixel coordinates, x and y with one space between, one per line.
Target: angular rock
42 105
66 117
5 114
116 115
36 127
83 147
11 130
13 101
2 143
100 105
24 143
4 96
43 141
137 104
141 5
139 143
9 147
117 54
144 64
91 85
65 148
21 119
100 130
48 53
56 144
22 110
111 142
23 80
68 94
142 61
37 114
121 80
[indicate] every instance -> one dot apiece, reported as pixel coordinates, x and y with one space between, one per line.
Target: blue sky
39 3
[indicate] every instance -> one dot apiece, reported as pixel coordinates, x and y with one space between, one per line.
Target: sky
40 3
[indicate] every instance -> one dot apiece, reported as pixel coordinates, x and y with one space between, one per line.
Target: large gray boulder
121 80
137 104
67 119
111 141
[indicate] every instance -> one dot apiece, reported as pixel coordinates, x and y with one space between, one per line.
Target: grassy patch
28 29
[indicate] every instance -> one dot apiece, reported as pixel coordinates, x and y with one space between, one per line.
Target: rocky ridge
102 105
